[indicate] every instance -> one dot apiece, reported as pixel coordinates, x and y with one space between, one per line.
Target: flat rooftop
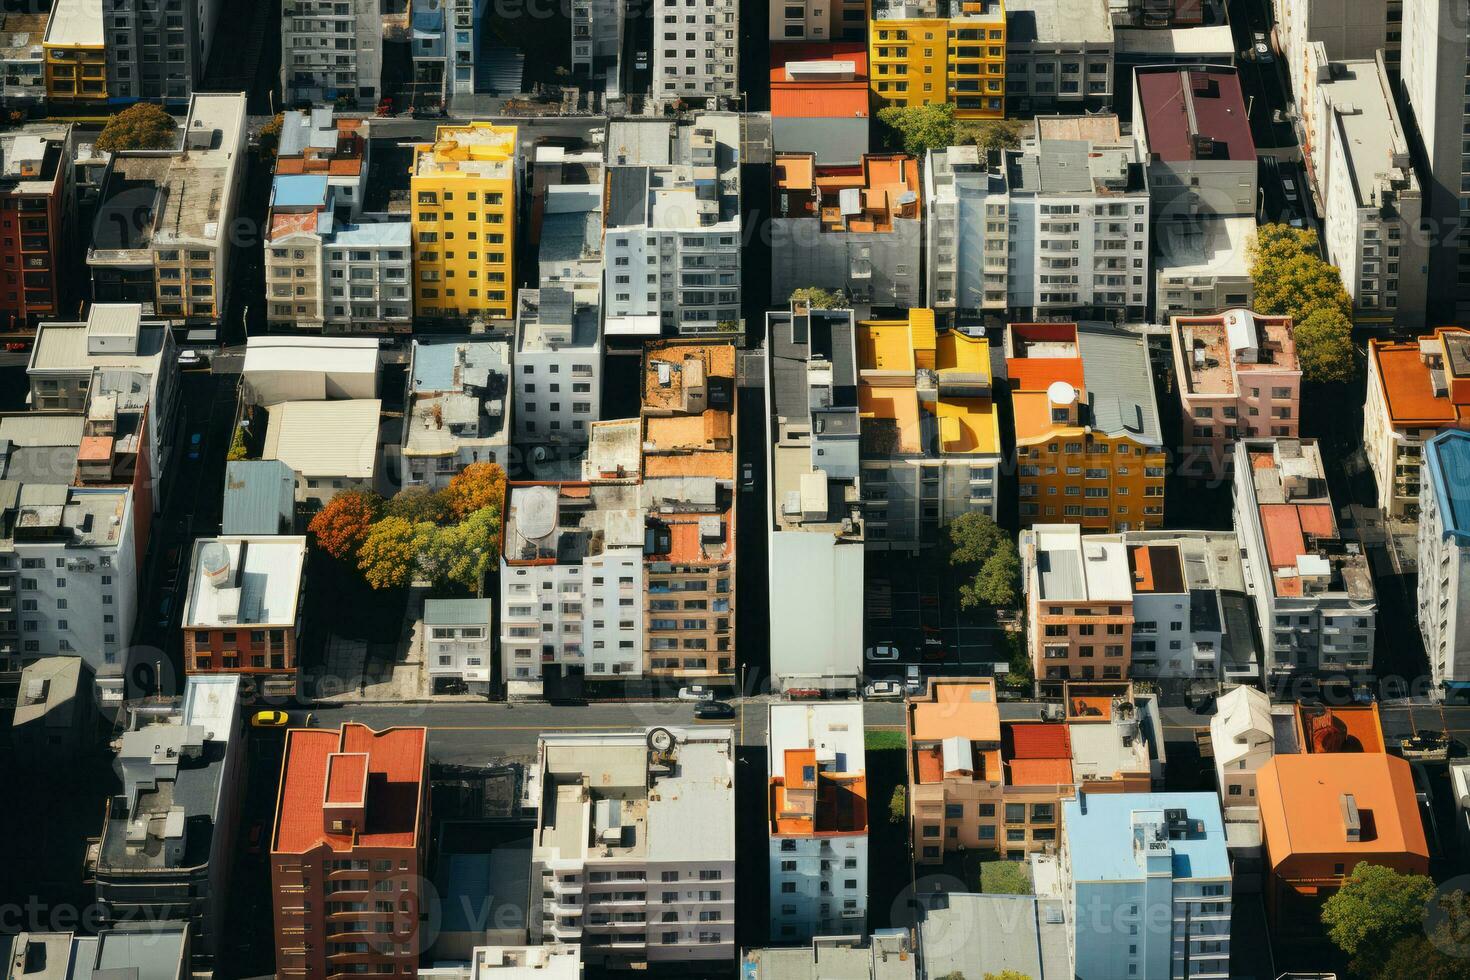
1073 567
1367 130
75 24
1050 22
1205 245
477 150
1220 352
1423 381
1102 836
818 767
245 581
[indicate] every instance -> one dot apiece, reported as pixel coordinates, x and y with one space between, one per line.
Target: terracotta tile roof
1038 740
1286 527
839 100
345 775
1040 772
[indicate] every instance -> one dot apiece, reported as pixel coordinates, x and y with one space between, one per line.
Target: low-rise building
1315 603
38 217
283 369
260 497
168 838
55 719
558 356
990 935
1156 865
817 801
331 445
888 955
855 230
457 643
1444 557
623 872
242 612
930 437
155 950
1194 139
1202 265
1059 55
319 141
815 557
1079 604
1415 389
1239 377
1089 446
819 99
457 408
351 822
555 962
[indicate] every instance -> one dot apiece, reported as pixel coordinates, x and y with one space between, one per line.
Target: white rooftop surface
1074 567
817 598
1063 21
337 438
1180 40
1242 723
1098 750
211 701
264 592
835 725
312 354
1367 130
75 23
691 815
526 963
199 181
1208 247
107 338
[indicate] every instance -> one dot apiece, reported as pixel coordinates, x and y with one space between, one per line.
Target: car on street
1288 187
1260 49
882 652
747 477
804 693
696 692
194 442
16 345
883 691
934 648
270 718
711 710
257 833
188 358
164 609
912 682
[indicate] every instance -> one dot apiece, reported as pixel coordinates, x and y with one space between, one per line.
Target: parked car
165 608
709 710
696 692
194 442
1288 187
188 358
253 840
934 648
882 652
883 691
912 682
747 477
15 345
1261 49
270 718
804 693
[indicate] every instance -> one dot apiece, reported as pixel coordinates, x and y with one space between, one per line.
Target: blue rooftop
388 233
1447 457
299 191
1101 840
434 361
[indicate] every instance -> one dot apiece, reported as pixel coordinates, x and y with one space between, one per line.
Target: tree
1008 975
977 543
141 126
1418 958
343 524
1375 908
818 299
476 486
463 554
416 504
898 804
389 555
992 135
1324 342
269 140
919 128
237 446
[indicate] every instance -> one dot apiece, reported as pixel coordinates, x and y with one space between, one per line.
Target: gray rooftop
1367 129
1063 166
1058 22
1120 383
974 935
48 691
260 497
456 612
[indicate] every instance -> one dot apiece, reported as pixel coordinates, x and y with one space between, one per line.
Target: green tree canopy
1324 341
417 503
916 129
1008 975
1375 909
898 804
818 298
981 547
463 554
1290 278
992 135
141 126
388 558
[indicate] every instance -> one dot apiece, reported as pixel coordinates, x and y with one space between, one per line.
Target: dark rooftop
1194 113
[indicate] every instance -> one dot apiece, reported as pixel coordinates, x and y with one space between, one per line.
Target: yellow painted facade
463 189
918 60
75 59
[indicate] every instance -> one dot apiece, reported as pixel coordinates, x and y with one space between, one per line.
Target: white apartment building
457 643
1346 30
366 272
1243 735
1202 265
571 583
331 49
696 51
633 857
557 379
967 236
1444 557
1372 204
457 408
672 241
818 824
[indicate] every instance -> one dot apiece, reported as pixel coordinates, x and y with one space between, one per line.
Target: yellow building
464 218
923 51
930 439
76 61
1089 449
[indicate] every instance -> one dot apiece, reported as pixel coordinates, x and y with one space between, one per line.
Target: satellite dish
660 739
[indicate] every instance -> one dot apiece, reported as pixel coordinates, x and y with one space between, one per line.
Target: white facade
1346 29
967 232
366 271
457 641
697 55
557 380
1243 738
331 48
1444 558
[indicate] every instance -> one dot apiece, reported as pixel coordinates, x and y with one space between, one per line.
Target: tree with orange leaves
342 525
477 486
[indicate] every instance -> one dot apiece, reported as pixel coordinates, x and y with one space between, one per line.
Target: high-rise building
330 50
464 190
696 51
153 55
348 849
1444 557
37 222
75 50
925 51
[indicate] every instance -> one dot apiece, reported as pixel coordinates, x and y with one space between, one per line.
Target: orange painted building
1322 813
348 851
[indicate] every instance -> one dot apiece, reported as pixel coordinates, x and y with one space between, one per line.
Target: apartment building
1444 557
1086 427
671 242
696 53
967 236
161 951
1314 597
1372 203
567 187
1416 388
930 437
855 230
178 258
558 360
457 647
242 612
75 53
1202 265
925 51
348 849
299 218
37 222
1322 813
23 58
1078 215
805 20
1238 376
818 819
457 408
319 141
1435 56
977 782
1201 161
887 955
1345 31
1079 604
1155 864
813 503
168 839
466 184
597 41
331 50
621 812
1059 56
158 58
819 98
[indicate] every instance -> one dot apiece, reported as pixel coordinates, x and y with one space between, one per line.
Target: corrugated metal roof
260 497
456 612
820 101
338 438
1120 384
